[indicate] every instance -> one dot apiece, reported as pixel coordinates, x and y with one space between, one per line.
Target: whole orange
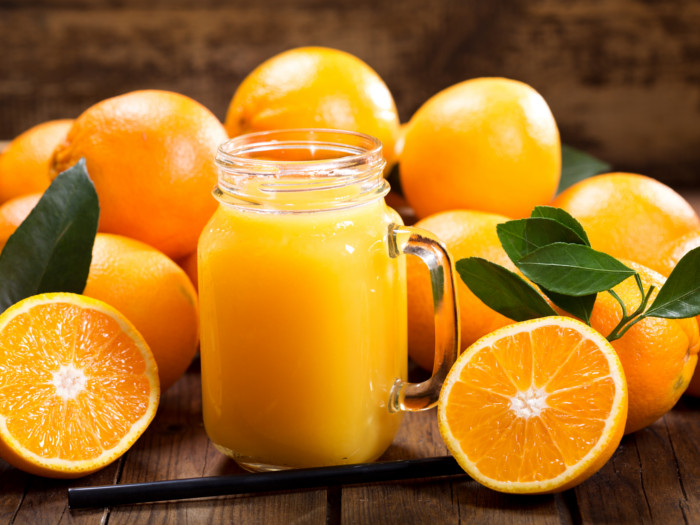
13 213
488 144
668 260
315 87
465 234
151 157
152 292
24 164
629 216
658 355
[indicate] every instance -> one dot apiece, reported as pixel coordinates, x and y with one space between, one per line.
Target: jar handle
412 397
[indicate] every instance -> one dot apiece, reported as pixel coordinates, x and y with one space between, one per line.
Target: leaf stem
623 319
622 332
628 321
640 285
645 302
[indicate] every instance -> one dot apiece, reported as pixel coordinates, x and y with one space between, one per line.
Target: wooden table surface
654 477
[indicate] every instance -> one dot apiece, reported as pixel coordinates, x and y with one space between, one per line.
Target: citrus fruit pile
529 407
485 151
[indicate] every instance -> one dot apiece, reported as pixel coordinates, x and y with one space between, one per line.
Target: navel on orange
534 407
78 385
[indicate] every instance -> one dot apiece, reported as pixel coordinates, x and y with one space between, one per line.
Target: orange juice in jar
303 303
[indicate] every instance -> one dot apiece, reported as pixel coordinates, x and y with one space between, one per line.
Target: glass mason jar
303 303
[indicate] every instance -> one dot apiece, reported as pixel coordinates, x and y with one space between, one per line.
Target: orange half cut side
78 385
534 407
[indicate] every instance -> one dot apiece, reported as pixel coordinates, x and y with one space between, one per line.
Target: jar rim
353 148
300 170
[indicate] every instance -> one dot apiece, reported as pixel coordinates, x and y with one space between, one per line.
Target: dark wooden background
621 76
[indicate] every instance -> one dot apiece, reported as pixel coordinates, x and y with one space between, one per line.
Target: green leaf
679 297
577 165
573 269
52 249
502 290
522 237
563 217
547 225
581 307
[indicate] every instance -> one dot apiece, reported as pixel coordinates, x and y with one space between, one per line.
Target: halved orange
534 407
78 385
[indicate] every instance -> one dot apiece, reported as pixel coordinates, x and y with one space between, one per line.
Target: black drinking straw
111 495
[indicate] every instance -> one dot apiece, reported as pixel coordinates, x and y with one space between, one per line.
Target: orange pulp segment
534 407
78 385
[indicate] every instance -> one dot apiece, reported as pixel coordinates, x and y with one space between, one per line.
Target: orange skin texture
674 253
658 355
465 234
398 147
629 216
676 249
24 164
694 386
13 213
150 155
315 87
189 264
488 144
154 293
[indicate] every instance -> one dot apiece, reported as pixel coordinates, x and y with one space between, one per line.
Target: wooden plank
634 486
659 474
457 500
176 446
683 428
46 500
12 486
409 502
478 504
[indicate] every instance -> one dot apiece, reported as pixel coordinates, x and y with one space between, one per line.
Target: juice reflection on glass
303 303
